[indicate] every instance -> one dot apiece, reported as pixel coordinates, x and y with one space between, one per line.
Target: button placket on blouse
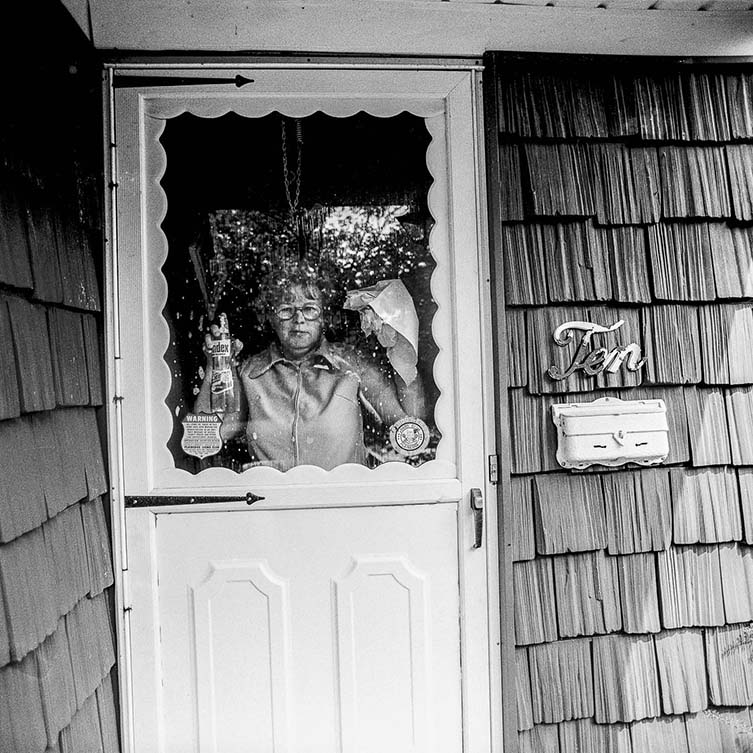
297 410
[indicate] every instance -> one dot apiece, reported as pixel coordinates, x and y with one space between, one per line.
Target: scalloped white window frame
446 101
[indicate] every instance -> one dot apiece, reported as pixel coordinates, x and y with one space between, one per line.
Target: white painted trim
489 397
414 27
462 135
146 731
112 409
218 66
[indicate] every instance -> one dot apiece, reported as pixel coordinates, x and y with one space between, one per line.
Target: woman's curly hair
276 286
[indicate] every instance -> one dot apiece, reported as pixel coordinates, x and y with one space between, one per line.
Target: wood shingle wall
627 193
57 647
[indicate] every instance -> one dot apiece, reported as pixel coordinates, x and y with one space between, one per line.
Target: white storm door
310 631
335 614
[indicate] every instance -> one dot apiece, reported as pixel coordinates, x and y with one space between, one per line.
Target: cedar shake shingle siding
57 646
629 195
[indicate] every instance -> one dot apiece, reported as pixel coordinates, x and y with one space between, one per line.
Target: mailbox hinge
493 469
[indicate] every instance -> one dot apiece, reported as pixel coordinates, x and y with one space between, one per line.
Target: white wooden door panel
310 631
328 617
383 642
243 605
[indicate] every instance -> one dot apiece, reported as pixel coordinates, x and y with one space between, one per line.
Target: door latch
477 505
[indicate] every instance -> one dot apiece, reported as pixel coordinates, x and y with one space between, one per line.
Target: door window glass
299 291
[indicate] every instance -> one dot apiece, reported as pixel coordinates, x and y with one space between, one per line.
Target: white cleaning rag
388 311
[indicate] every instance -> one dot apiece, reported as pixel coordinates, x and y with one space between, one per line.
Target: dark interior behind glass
363 217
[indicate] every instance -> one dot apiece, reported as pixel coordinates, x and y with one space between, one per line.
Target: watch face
409 436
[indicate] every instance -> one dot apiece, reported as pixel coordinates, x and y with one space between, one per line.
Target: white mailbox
611 432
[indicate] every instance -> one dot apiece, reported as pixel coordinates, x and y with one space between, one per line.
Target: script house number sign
590 359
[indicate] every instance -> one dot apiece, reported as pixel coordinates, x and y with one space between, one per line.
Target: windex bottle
222 389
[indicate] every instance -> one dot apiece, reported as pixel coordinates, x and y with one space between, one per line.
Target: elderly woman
300 399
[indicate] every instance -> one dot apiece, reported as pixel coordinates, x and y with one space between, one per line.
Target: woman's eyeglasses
310 311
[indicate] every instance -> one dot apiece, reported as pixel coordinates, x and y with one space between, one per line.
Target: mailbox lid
609 415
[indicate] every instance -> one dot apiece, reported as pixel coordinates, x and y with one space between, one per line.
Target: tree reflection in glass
245 262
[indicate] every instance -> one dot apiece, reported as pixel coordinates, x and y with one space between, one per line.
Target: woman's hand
236 346
232 425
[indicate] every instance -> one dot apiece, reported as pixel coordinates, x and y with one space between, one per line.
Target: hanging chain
289 179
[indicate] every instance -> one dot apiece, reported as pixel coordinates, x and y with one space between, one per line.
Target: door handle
477 505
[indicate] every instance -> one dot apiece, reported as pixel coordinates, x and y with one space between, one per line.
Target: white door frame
462 329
